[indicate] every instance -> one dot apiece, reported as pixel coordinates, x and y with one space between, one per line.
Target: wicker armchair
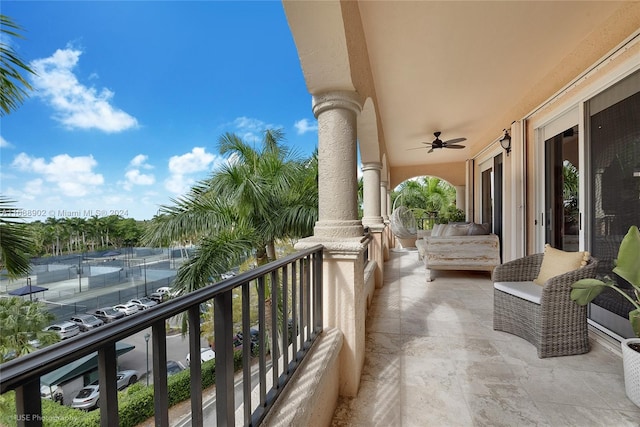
557 326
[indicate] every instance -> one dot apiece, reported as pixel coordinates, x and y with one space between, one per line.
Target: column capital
372 166
344 99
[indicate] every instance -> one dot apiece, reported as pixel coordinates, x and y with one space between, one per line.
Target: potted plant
627 266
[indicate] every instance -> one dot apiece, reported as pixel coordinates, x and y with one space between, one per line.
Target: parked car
174 367
143 302
206 354
127 308
86 322
108 314
126 378
64 329
88 398
52 392
254 339
163 293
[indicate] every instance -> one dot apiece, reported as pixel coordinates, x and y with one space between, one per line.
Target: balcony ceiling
467 69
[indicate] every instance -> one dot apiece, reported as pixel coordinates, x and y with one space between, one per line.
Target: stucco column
337 164
371 193
372 217
383 200
340 231
460 197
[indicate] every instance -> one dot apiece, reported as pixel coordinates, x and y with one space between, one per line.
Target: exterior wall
311 396
453 173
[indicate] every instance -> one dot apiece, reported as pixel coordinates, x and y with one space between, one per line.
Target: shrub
136 402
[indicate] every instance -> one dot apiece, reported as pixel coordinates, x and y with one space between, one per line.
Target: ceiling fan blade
430 151
416 148
454 146
455 140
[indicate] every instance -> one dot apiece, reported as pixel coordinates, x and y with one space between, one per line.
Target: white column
340 231
337 164
461 197
371 193
372 217
383 200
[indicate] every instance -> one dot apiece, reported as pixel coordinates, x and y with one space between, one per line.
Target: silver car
86 322
64 329
127 308
108 314
89 397
143 302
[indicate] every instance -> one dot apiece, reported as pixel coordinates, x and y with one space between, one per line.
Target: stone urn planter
631 362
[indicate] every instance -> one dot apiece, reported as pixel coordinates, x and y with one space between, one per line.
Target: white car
64 329
127 308
162 293
206 354
143 302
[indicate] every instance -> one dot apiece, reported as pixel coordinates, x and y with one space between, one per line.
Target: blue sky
132 97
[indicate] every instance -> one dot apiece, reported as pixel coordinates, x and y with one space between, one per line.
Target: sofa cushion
526 290
556 262
438 229
457 230
479 229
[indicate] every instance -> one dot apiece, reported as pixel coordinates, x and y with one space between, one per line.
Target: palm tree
426 195
14 86
22 327
15 241
257 198
56 227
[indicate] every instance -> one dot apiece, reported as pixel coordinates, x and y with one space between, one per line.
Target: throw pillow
556 262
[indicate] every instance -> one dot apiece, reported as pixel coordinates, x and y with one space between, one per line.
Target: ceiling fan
438 143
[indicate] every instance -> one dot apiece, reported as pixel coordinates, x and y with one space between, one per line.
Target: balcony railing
289 297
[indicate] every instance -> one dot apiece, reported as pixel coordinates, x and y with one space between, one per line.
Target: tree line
61 236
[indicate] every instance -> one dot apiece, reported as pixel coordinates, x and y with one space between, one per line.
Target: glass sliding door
562 216
613 119
487 196
491 194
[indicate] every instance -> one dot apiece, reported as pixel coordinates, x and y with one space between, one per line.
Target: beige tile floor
433 359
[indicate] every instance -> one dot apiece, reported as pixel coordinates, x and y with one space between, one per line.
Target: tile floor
433 359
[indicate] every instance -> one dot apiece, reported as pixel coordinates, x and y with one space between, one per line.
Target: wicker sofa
451 249
543 315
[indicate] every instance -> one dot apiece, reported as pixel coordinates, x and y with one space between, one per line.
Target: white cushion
526 290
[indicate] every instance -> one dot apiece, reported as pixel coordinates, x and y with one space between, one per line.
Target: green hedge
135 404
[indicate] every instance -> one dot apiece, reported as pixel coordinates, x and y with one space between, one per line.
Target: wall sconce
505 141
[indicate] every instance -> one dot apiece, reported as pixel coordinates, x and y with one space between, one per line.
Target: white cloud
303 126
4 143
178 184
73 176
140 161
76 105
134 176
183 167
252 130
197 160
33 187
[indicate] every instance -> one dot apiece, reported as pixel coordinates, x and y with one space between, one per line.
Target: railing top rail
22 369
